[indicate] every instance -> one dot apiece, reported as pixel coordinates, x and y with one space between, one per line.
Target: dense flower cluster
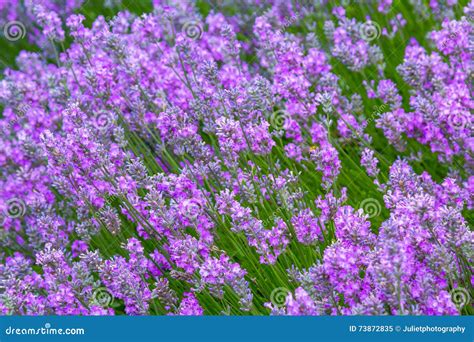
184 164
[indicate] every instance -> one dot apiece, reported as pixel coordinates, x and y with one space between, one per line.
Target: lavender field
178 157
